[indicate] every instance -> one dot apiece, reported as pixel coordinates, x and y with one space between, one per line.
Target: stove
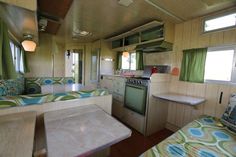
138 81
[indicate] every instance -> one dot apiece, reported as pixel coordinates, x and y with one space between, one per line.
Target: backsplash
32 84
163 58
12 87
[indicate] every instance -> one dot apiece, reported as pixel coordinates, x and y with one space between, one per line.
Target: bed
204 137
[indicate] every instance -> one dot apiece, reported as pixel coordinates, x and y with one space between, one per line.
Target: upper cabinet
150 32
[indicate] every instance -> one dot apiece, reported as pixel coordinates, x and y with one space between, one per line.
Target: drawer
134 120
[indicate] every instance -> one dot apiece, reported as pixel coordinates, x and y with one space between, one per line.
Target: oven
136 95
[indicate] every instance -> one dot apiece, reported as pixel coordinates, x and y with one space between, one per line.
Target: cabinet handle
220 100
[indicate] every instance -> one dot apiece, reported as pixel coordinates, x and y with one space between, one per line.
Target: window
220 64
220 22
17 57
129 61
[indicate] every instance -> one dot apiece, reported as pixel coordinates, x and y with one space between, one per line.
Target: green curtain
193 65
25 61
139 60
119 60
7 69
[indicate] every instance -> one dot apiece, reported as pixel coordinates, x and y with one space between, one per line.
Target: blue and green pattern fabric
34 99
12 87
33 84
204 137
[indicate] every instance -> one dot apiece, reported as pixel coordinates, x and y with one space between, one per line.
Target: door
135 98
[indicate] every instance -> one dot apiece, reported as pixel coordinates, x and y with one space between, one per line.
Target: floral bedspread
204 137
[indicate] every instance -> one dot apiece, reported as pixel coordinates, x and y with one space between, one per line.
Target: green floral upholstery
34 99
33 83
12 87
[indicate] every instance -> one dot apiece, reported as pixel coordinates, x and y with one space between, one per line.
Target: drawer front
134 120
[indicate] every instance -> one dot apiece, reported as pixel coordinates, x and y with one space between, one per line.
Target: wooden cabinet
131 39
117 43
150 32
118 109
106 83
116 86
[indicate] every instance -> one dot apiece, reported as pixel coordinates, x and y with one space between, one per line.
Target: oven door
135 98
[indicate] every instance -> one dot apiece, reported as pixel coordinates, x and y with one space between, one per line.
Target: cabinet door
117 109
153 33
117 43
132 39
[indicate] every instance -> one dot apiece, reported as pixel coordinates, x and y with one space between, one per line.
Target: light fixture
125 54
81 33
125 3
28 43
42 24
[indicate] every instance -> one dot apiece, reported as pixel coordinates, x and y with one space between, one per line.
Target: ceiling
54 11
19 21
106 18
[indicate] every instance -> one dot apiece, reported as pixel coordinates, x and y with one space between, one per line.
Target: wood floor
137 144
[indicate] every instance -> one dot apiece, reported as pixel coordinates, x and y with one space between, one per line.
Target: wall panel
189 35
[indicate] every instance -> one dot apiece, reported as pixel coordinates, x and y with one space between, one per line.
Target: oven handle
136 86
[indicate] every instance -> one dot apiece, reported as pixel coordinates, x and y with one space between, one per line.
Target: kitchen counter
17 134
81 131
183 99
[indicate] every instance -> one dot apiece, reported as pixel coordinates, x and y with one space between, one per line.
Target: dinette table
81 131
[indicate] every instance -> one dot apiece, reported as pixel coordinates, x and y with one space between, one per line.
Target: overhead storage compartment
154 36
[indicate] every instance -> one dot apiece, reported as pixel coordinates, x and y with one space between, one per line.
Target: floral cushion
229 117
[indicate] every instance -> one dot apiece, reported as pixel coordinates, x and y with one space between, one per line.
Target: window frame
17 57
217 16
233 70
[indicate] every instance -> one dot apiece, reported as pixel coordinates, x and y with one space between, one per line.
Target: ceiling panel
188 9
57 8
52 27
106 18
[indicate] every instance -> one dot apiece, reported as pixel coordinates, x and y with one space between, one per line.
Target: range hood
156 46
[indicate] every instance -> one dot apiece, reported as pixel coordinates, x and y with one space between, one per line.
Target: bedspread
204 137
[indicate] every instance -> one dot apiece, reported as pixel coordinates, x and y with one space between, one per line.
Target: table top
183 99
17 134
81 131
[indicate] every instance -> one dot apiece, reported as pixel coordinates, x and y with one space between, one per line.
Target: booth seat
34 99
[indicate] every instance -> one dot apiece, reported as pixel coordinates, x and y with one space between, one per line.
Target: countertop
17 134
183 99
81 131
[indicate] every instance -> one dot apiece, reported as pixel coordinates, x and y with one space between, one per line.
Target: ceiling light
28 43
125 3
80 33
43 24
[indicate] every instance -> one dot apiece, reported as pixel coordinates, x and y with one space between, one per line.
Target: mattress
204 137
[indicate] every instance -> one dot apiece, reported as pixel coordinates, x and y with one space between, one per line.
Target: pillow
229 116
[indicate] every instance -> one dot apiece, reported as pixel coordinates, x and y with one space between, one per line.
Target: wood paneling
189 35
56 8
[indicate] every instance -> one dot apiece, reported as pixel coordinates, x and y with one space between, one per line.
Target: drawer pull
220 99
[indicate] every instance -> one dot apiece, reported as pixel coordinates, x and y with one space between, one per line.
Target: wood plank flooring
137 144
